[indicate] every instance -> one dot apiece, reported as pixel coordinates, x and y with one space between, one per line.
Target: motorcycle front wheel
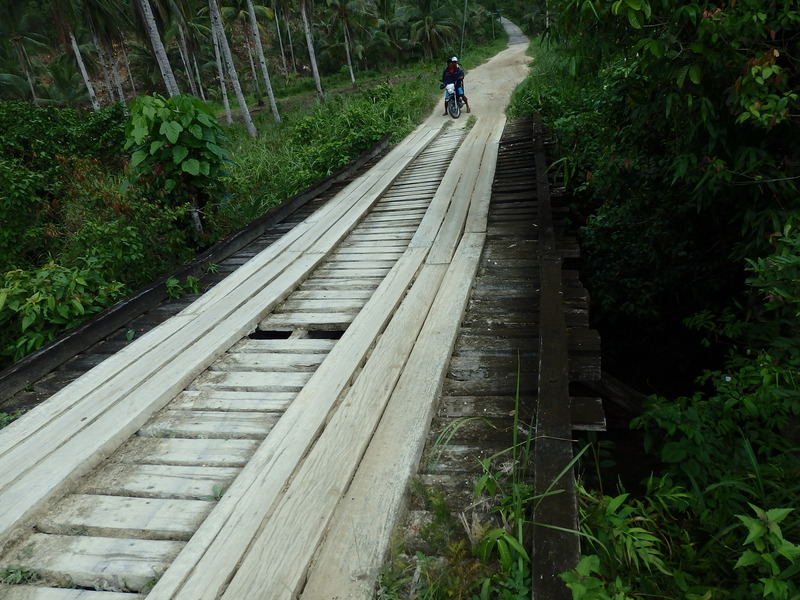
453 108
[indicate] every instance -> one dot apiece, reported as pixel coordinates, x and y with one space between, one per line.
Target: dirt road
489 86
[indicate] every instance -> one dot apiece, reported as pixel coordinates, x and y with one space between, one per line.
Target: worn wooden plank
19 592
95 562
160 481
233 400
210 558
251 361
365 517
275 564
125 517
187 451
251 381
453 224
210 424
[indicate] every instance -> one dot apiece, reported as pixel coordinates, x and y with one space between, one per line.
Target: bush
36 306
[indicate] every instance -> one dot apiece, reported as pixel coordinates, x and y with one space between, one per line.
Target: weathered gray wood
210 424
114 564
163 481
125 517
187 451
366 515
251 361
210 558
253 381
19 592
277 560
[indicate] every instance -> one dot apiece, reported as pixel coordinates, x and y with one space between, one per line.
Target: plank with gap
211 556
278 557
365 518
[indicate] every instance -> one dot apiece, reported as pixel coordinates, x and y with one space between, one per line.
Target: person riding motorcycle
453 73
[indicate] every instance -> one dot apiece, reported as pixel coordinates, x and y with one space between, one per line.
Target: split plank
115 564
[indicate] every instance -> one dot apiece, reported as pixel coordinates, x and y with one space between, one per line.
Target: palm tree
305 14
158 47
216 26
19 23
431 25
352 14
260 50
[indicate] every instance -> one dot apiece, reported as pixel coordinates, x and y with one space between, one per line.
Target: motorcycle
453 99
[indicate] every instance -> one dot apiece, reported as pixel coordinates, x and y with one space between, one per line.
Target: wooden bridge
256 441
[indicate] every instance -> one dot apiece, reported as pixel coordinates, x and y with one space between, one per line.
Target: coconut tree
262 60
350 15
219 31
159 50
20 23
305 13
431 25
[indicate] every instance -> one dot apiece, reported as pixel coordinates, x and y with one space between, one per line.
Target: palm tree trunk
184 52
22 57
253 72
263 61
117 79
84 73
347 53
291 46
199 79
280 41
310 42
158 49
216 25
128 67
221 76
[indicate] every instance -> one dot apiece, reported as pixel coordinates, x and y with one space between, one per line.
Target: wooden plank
187 451
365 517
310 321
252 361
453 224
233 400
126 517
96 562
211 557
293 345
18 592
275 564
160 481
210 424
251 381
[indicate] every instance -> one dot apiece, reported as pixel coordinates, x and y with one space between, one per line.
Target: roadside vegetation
96 203
676 127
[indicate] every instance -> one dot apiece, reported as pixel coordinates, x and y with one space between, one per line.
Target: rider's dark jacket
454 75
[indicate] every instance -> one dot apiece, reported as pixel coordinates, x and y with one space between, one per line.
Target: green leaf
196 131
695 74
3 296
154 146
191 166
27 320
179 153
615 503
171 129
673 452
747 559
635 19
138 157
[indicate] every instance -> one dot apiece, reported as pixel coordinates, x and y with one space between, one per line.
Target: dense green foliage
676 126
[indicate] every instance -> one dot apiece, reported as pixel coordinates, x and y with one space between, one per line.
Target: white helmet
454 59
